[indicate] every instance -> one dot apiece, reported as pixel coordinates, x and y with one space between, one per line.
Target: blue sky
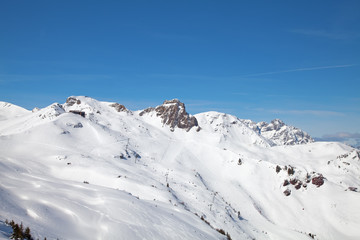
294 60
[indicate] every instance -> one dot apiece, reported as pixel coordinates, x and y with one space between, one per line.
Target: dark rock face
290 171
119 107
293 181
298 186
318 181
78 112
173 114
287 192
286 182
354 189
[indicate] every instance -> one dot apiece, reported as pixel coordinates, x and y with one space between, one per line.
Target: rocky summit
278 133
173 114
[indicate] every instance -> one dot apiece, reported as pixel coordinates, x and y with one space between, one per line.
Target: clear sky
294 60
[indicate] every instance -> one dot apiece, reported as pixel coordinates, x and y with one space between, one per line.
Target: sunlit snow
117 175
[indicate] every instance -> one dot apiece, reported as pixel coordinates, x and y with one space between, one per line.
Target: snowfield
87 169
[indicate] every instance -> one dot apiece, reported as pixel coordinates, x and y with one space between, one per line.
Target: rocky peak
70 101
274 125
277 123
91 106
280 133
82 105
173 113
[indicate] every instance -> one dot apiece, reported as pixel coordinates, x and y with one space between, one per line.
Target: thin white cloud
352 139
342 135
301 70
307 112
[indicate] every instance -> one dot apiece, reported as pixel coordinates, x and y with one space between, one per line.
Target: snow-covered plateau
88 169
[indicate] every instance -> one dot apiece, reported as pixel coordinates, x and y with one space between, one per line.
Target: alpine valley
88 169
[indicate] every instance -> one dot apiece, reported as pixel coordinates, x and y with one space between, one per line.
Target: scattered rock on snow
287 192
318 181
78 125
286 182
354 189
293 181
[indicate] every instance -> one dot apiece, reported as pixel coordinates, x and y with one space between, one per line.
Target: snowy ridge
9 111
230 129
112 174
279 133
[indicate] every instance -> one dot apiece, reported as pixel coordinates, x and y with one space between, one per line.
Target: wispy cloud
344 137
305 112
326 34
301 70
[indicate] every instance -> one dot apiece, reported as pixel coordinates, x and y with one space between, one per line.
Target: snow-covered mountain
279 133
88 169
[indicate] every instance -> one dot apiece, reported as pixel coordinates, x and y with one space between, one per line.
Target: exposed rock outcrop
318 181
72 100
119 107
287 192
173 114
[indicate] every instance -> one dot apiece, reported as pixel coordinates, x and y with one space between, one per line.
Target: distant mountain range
352 140
87 169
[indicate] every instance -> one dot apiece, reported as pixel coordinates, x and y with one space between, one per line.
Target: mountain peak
173 113
175 100
278 121
280 133
276 124
88 105
70 101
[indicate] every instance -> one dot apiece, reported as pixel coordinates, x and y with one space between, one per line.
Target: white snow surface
118 175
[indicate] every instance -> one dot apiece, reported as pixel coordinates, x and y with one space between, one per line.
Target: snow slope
114 174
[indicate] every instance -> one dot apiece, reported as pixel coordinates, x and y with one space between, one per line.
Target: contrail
301 69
